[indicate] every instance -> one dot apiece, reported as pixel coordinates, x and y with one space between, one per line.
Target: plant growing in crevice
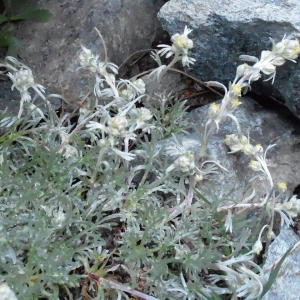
96 205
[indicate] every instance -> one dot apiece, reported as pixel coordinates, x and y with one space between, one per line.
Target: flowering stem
164 71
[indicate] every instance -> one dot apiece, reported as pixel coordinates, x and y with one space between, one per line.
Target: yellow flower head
198 177
254 165
213 110
237 89
179 41
281 187
234 103
296 50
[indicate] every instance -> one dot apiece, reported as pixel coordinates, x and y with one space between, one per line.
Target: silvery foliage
94 201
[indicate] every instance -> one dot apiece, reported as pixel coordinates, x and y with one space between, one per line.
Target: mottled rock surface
223 30
51 48
287 283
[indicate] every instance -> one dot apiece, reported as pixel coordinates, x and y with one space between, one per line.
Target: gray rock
170 83
51 49
287 283
223 30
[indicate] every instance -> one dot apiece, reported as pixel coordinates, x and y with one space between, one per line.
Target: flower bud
248 149
266 54
233 104
185 162
281 187
243 140
117 125
199 177
140 85
254 165
279 48
268 68
278 61
231 139
236 143
241 70
257 247
213 111
292 207
258 149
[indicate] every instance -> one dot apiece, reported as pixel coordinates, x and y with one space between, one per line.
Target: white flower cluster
180 49
241 143
185 162
282 51
100 70
181 45
128 119
292 207
142 115
88 60
245 75
117 125
22 79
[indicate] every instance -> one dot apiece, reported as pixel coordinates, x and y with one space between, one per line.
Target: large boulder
51 49
287 283
223 30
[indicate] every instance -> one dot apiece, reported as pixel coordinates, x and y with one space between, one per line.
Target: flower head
287 49
181 41
213 111
133 89
292 207
180 47
281 187
235 90
23 80
139 118
254 165
88 60
117 125
236 143
240 70
185 162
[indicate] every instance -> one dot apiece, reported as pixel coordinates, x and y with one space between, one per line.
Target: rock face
223 30
287 283
51 48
